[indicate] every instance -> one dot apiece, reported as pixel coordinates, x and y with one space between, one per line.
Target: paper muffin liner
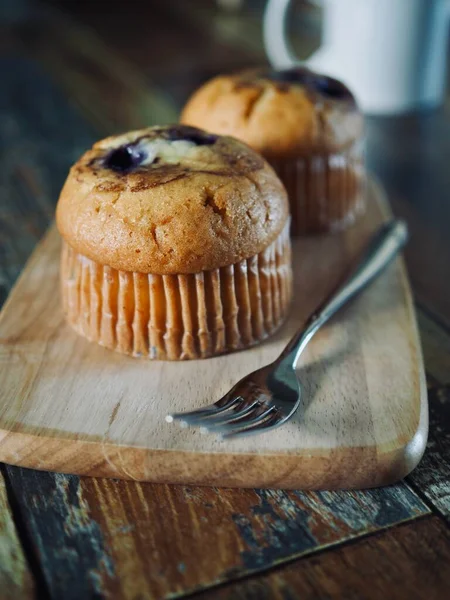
326 192
176 317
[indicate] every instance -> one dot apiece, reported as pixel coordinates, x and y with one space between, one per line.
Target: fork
269 396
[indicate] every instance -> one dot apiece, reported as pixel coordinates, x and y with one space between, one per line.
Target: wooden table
101 67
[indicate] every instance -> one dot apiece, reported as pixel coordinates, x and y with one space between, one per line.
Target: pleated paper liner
326 192
176 317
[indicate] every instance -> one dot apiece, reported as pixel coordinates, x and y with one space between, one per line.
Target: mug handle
277 48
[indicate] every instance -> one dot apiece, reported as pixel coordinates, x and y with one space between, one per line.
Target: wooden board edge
315 471
415 448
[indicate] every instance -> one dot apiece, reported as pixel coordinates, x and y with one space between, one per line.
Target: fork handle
384 246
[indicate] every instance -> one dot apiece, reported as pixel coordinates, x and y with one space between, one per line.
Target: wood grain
75 404
408 153
177 45
436 347
36 154
107 88
125 539
399 563
29 180
16 580
432 478
67 542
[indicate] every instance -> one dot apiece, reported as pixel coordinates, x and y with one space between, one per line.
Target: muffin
175 244
306 125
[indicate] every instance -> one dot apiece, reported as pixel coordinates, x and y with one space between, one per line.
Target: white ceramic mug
391 53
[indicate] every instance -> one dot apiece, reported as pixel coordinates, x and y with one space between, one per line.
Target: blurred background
75 70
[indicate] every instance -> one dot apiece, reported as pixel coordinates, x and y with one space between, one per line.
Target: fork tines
230 417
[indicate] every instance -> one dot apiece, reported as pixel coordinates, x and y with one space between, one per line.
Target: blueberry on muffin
175 244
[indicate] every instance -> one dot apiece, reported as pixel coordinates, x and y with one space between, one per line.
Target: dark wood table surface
79 70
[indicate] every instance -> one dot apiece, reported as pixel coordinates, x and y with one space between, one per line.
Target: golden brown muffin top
281 114
171 199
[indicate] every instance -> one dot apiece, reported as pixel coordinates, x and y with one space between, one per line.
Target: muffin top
278 113
171 199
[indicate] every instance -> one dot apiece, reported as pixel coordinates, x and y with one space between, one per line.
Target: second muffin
306 125
176 244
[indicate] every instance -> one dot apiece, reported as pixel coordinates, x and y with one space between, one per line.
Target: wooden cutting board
68 405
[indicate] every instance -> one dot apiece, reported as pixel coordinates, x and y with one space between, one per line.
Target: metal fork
268 397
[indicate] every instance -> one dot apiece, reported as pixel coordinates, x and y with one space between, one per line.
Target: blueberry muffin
175 244
306 125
